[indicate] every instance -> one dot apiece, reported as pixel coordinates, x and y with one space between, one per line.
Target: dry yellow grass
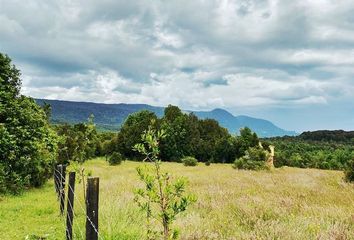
286 203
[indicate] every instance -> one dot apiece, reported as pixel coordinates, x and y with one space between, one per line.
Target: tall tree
131 131
28 145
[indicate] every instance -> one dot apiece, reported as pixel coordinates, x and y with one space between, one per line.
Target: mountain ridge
110 116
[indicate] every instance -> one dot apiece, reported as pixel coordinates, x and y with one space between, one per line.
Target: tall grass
286 203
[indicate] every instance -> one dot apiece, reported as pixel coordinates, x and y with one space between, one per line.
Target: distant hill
328 135
111 116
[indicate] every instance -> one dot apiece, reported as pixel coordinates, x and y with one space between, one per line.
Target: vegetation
190 161
115 159
286 203
130 133
349 172
186 135
323 153
162 198
28 145
78 142
329 136
254 159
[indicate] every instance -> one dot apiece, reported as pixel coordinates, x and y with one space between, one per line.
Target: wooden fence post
62 175
92 208
70 207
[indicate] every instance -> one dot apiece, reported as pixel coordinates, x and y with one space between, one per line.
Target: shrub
254 159
243 163
207 163
349 173
189 161
115 159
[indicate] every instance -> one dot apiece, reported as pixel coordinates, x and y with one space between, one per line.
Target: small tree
162 198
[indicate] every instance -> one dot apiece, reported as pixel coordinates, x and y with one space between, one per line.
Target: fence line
59 183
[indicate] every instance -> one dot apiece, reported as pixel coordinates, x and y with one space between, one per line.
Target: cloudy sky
291 62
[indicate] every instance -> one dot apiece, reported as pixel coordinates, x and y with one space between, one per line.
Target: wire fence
73 230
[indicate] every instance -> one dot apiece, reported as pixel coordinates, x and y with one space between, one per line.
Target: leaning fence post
92 208
62 175
70 207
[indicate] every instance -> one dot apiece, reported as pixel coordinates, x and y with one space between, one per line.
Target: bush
254 159
207 163
349 173
115 159
243 163
189 161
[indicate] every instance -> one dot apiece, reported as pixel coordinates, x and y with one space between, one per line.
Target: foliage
130 133
189 161
186 135
247 139
215 142
349 172
108 143
28 145
297 152
162 198
329 136
178 128
115 159
78 142
254 159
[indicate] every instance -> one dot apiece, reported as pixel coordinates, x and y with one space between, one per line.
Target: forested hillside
111 116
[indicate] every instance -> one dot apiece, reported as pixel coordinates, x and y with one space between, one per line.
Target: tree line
322 153
186 135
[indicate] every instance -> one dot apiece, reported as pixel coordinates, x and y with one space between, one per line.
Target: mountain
111 116
233 123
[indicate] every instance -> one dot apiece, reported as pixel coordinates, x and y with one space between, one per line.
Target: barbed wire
71 221
61 177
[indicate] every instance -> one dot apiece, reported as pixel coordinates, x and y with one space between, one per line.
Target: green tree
28 145
212 137
246 140
162 198
78 142
131 130
182 134
254 159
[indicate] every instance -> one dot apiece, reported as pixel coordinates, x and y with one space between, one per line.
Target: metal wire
82 208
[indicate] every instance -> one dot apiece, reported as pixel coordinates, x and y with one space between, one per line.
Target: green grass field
286 203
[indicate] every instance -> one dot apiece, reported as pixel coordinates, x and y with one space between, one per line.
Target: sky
290 62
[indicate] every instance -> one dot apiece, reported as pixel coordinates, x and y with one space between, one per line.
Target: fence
91 203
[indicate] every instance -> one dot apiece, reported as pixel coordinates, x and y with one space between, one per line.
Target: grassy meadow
285 203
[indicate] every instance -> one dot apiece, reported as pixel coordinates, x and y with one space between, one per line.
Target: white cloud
236 54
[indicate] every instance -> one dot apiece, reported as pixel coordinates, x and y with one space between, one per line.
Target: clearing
286 203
